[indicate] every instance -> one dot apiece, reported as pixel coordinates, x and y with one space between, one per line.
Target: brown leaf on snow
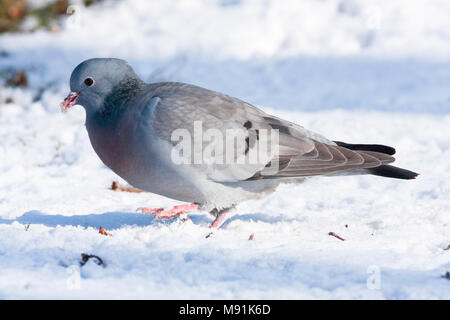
252 236
115 186
448 248
19 79
103 232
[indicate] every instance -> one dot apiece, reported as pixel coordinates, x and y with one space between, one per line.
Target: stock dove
172 139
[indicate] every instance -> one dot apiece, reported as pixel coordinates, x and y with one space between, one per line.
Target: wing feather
302 153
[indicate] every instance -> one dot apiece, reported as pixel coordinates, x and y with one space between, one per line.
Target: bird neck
120 97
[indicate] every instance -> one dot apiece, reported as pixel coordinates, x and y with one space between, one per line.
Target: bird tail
392 172
383 170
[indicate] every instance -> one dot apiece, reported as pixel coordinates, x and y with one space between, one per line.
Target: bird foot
220 219
176 211
218 222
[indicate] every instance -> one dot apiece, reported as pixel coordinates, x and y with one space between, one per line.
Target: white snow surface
354 71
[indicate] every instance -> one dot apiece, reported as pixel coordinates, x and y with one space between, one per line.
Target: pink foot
220 219
176 211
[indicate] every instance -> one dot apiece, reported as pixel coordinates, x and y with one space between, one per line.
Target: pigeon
172 139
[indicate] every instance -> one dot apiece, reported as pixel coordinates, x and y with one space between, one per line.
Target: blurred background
305 55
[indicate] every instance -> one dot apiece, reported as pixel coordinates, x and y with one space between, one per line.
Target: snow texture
354 71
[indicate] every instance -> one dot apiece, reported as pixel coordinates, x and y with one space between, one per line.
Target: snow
336 67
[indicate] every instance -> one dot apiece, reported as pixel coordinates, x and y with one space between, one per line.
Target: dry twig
85 258
336 236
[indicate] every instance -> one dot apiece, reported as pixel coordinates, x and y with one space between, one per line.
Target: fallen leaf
19 79
115 186
103 232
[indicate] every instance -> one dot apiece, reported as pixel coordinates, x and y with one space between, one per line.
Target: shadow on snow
115 220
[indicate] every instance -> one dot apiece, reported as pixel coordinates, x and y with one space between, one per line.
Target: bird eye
89 81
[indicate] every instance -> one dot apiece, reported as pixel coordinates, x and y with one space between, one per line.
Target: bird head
93 80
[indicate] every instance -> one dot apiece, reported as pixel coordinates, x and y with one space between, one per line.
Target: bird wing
182 108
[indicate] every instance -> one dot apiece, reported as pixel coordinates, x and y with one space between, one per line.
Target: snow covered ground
350 70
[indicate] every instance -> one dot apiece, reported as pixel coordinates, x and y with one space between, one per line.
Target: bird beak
69 101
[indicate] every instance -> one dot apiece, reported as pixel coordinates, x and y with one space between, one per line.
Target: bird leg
176 211
160 213
221 217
